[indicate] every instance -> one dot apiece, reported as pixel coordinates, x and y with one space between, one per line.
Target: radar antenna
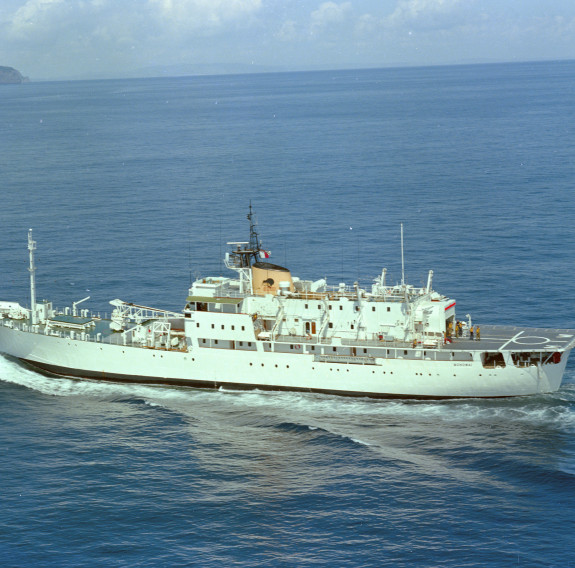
247 253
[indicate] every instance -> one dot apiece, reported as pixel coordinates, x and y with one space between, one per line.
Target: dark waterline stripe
214 385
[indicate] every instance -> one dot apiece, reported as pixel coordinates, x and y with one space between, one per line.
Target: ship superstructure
264 328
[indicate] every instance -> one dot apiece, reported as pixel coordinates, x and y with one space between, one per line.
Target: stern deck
513 338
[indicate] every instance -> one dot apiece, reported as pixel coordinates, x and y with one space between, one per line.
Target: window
352 327
213 326
197 325
341 307
305 306
373 309
222 326
233 327
243 327
329 306
330 324
388 309
319 306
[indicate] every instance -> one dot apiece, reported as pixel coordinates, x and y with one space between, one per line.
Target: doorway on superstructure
310 328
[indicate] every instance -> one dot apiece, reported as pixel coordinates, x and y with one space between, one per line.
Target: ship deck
492 338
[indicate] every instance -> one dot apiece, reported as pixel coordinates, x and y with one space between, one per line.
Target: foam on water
555 411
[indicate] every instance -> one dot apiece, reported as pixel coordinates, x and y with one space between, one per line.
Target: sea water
133 187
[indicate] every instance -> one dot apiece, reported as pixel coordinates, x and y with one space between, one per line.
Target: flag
265 253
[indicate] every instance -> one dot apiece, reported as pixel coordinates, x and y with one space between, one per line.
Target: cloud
116 36
203 15
328 15
430 14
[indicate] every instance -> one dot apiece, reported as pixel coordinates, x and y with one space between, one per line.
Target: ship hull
231 369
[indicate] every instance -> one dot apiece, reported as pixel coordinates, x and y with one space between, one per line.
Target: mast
32 269
402 262
255 244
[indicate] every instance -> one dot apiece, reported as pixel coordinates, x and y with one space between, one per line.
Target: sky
83 39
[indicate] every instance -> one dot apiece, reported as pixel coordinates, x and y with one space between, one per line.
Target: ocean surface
133 187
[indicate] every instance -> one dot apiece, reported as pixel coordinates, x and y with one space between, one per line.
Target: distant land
11 76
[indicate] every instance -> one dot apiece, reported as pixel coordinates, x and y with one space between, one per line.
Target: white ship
265 329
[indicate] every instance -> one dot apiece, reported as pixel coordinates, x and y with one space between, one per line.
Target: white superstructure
264 328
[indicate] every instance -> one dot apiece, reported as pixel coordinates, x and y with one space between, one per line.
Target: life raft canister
556 357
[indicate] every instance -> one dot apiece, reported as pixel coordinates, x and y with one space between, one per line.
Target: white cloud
288 31
203 14
329 14
105 36
429 13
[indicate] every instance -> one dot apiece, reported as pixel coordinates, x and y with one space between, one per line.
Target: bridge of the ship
512 338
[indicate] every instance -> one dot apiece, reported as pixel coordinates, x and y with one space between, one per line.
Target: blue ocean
133 188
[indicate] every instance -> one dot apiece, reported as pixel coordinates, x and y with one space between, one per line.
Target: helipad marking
530 340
